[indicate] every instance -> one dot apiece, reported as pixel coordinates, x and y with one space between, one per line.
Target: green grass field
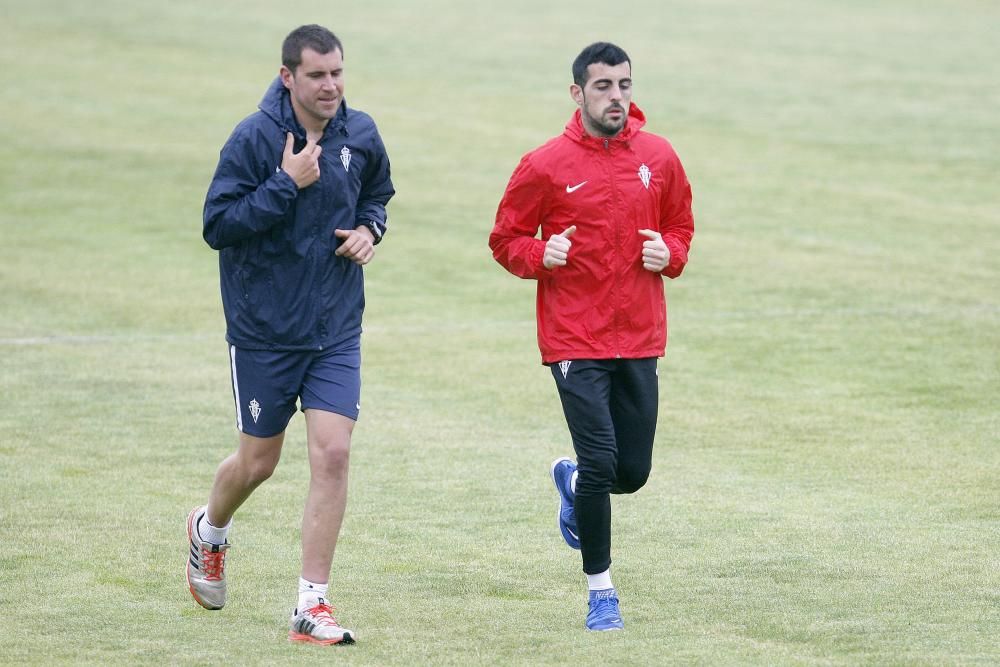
826 483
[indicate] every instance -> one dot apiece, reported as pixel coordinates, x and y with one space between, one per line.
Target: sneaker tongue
606 594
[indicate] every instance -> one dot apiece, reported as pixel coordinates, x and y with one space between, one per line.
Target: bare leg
329 437
240 473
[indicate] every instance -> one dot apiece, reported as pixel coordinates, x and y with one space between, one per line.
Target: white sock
210 533
600 582
572 481
310 593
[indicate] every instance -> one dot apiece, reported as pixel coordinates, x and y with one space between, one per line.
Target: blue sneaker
562 474
604 614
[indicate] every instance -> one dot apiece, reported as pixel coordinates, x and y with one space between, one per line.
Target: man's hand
655 253
557 248
303 167
356 245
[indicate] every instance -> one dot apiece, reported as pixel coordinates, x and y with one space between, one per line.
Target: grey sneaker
317 625
206 567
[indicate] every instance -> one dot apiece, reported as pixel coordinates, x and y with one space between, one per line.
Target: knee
596 475
259 470
631 479
331 458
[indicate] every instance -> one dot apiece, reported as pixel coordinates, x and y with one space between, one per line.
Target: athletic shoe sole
298 637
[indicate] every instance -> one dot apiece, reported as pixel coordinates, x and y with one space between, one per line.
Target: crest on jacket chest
345 157
644 175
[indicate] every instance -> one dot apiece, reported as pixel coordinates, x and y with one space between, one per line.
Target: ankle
310 593
213 534
600 581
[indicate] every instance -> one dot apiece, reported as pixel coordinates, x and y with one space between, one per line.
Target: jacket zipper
616 285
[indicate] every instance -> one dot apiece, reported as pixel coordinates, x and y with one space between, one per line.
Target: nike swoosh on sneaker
574 188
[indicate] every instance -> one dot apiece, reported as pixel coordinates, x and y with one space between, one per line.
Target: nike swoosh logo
574 188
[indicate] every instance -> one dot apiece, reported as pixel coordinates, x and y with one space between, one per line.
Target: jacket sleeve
376 189
240 203
677 219
519 216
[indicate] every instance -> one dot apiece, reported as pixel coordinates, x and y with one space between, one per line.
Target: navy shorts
267 384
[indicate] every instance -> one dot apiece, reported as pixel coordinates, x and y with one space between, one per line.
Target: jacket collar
575 131
277 105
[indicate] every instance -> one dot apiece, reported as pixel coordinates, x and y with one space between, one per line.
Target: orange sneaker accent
317 625
309 639
213 563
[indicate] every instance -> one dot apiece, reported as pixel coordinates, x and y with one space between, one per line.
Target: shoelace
212 563
605 607
323 615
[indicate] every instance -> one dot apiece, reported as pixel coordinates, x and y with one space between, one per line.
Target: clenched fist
655 253
557 248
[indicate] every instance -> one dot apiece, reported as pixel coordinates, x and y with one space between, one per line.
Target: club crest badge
644 175
564 367
345 157
254 409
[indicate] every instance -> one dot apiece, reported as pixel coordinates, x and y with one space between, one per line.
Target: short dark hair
312 36
598 52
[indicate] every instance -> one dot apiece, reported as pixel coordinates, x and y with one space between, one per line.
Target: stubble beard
605 127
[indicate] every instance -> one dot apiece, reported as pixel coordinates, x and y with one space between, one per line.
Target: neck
313 126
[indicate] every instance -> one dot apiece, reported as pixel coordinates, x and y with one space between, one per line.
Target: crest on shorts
644 175
564 367
254 409
345 157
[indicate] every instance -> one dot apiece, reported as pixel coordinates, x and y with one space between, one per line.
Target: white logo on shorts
254 409
564 367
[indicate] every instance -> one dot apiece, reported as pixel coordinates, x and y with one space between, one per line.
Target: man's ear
286 76
576 92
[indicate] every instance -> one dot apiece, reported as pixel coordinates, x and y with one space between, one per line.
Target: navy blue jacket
282 286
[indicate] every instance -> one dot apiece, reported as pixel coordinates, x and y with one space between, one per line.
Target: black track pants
610 407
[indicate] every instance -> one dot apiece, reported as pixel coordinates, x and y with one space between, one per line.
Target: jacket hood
277 105
635 122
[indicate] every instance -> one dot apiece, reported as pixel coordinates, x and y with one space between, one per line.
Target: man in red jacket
614 208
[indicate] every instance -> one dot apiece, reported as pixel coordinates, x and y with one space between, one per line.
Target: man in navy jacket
295 209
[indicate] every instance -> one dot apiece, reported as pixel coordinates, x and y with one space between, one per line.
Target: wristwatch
374 229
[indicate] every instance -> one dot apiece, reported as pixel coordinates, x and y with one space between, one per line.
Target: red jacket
602 304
